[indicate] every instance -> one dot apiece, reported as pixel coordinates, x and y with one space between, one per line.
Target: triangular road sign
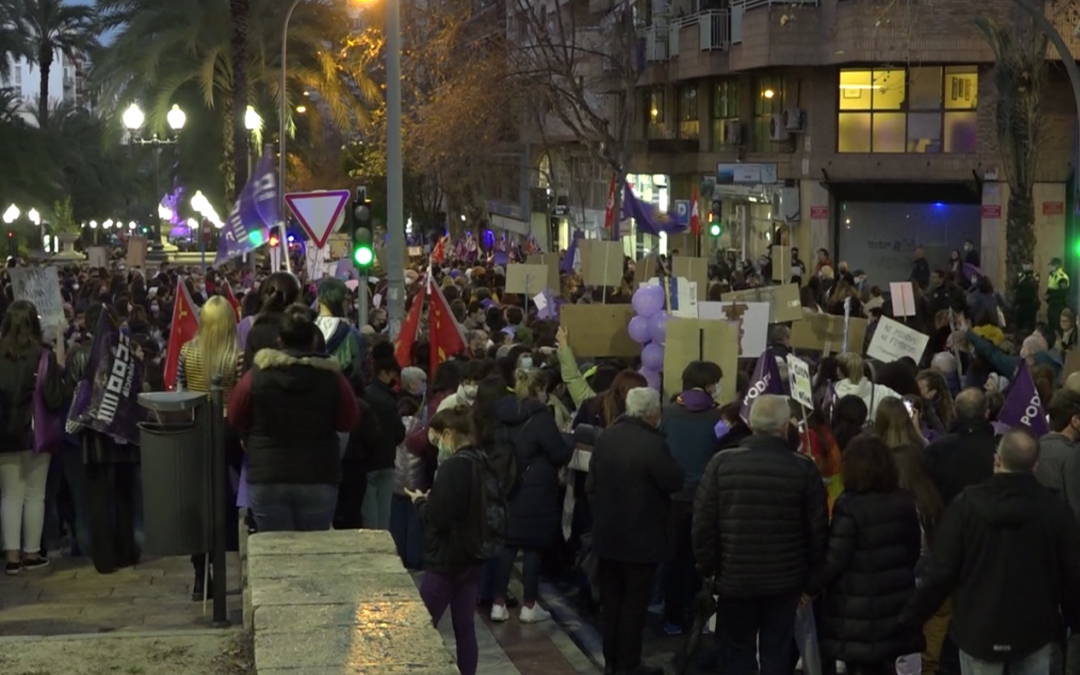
318 212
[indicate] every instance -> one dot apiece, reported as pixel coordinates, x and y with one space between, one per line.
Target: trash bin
176 475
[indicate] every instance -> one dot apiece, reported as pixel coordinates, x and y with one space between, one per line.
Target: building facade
67 83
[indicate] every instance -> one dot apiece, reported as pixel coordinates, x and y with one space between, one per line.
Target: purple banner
257 208
649 219
107 397
1023 407
765 380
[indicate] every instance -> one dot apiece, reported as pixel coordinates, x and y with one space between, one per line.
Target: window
768 101
656 126
928 109
688 113
725 109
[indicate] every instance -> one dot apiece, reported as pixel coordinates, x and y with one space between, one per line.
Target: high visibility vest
1057 280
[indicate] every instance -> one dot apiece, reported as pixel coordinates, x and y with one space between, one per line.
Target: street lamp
134 119
34 216
252 120
12 214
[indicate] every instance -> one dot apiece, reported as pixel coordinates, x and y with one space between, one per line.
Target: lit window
725 110
654 108
688 113
768 101
927 109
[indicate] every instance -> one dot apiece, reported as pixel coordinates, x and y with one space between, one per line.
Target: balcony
656 42
715 29
741 7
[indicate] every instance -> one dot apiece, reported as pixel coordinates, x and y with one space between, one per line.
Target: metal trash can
176 475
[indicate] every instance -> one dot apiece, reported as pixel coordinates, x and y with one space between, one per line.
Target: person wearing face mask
382 397
689 423
760 529
472 374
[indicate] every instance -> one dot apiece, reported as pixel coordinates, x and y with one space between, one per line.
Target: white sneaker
534 614
499 613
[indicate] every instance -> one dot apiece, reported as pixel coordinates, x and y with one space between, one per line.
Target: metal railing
656 42
747 5
715 29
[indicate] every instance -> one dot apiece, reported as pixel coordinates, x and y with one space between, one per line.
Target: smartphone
910 408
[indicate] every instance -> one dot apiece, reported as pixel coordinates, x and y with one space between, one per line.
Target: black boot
204 581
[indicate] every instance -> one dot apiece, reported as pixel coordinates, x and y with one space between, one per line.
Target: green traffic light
363 256
714 230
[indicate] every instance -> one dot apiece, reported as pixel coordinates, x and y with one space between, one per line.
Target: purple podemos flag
1023 407
765 380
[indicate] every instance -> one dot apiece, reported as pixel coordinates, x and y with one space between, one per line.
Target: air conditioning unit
733 132
777 130
794 118
785 205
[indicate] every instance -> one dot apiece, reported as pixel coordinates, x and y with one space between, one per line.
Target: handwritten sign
753 322
903 298
40 286
136 253
893 341
97 256
824 333
799 379
784 302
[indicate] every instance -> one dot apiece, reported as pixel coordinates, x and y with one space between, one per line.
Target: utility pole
395 207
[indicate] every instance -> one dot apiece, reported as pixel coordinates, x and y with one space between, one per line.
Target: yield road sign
318 212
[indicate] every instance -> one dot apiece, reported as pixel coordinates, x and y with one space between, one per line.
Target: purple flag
566 265
649 219
257 208
970 272
765 380
107 398
550 310
1023 407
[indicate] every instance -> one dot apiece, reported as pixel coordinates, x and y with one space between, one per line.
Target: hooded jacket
292 406
1059 469
1006 551
345 345
871 394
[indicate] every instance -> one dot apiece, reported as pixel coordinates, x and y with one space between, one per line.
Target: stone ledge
338 603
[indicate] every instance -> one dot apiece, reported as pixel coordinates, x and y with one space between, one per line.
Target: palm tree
238 45
163 48
13 43
55 26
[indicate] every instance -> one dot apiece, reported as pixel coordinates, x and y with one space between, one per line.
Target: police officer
1026 299
1057 292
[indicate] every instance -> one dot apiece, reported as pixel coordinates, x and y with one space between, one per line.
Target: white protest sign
41 286
903 298
97 256
681 296
753 318
799 378
893 341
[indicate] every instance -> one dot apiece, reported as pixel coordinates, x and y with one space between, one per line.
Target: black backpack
490 496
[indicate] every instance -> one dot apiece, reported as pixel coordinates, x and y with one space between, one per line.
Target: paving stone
378 669
318 589
373 615
361 648
310 564
334 541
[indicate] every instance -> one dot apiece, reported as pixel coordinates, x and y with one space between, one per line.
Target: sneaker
672 629
35 563
534 614
499 613
12 568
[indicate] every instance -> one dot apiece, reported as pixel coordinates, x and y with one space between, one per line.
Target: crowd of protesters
898 522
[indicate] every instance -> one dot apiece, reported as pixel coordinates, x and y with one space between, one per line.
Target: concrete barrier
338 603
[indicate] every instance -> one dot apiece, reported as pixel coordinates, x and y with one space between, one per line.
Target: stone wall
338 603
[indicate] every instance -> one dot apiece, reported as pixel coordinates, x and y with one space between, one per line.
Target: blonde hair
893 424
217 338
851 366
530 383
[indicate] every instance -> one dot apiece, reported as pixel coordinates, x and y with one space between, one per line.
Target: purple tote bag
48 426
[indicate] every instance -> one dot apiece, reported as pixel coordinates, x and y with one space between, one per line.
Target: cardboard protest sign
753 320
824 333
784 302
525 278
781 264
601 262
40 286
697 340
893 341
551 260
799 380
646 268
599 330
903 298
97 256
136 252
680 296
695 270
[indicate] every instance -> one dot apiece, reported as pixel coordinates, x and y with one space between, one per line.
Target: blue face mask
722 428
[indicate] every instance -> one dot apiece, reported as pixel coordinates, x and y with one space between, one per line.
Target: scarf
696 400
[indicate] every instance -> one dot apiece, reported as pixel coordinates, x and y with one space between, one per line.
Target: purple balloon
639 329
652 357
658 327
648 300
652 377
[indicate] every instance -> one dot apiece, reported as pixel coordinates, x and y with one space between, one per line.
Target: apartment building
67 82
859 127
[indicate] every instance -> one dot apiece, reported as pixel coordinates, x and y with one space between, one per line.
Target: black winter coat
869 577
98 448
630 483
539 449
384 403
1006 551
18 380
760 519
452 516
963 457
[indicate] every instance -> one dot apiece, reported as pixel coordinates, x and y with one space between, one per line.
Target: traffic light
274 241
714 219
363 239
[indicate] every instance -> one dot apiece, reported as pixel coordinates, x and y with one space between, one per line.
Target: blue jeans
405 528
292 507
1036 663
376 509
762 626
75 476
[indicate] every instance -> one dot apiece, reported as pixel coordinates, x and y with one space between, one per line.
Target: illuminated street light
12 214
176 118
131 225
252 120
301 109
107 224
34 217
133 117
93 224
164 212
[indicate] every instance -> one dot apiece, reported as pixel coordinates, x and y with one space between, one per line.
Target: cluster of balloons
649 329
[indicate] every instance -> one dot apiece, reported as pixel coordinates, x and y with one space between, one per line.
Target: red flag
446 337
695 214
409 328
185 324
609 212
231 297
439 254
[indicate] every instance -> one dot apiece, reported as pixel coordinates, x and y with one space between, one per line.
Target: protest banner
40 286
893 341
106 400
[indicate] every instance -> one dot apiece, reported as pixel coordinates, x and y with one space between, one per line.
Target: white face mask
718 389
526 362
468 391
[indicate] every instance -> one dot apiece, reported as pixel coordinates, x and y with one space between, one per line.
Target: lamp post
133 122
395 207
283 114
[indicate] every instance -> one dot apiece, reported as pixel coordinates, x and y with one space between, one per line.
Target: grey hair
769 414
1018 451
943 362
643 403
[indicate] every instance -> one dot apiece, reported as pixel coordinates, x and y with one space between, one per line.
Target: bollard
218 501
